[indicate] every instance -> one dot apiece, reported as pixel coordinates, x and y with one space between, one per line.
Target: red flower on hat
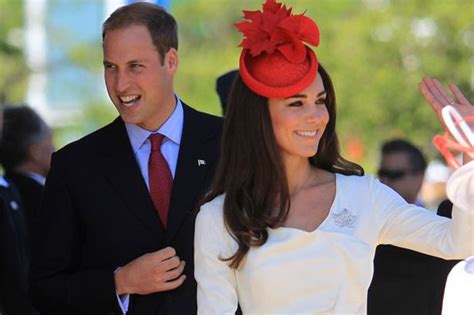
275 62
275 28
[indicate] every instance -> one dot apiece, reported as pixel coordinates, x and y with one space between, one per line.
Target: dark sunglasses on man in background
393 174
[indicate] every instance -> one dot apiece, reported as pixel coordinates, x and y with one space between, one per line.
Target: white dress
326 271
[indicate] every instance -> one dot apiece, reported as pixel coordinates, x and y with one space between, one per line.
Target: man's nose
123 81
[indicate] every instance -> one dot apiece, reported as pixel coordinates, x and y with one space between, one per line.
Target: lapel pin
14 205
201 162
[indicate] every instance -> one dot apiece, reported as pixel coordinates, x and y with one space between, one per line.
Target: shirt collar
172 129
3 182
37 178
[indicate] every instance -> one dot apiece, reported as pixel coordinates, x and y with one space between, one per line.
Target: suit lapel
194 164
123 173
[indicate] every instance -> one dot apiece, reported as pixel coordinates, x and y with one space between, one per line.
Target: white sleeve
216 283
409 226
460 188
123 300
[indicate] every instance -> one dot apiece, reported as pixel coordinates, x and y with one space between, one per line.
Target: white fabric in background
459 291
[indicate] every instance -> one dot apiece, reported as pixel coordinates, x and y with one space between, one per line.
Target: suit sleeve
217 288
13 294
59 284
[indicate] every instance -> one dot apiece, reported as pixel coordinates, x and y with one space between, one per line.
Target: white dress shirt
40 179
172 129
3 182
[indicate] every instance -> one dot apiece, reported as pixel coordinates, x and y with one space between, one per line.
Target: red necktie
159 178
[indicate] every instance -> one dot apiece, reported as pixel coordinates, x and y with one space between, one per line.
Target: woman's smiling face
299 121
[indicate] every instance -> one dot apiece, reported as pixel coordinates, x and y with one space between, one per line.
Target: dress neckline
318 228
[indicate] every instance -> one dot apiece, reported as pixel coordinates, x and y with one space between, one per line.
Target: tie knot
156 140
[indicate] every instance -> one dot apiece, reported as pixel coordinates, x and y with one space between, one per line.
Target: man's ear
33 151
171 60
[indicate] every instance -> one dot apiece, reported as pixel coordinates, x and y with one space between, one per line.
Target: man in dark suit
14 256
27 146
14 260
106 245
403 279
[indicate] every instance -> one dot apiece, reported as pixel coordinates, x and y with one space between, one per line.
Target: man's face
139 85
396 172
41 152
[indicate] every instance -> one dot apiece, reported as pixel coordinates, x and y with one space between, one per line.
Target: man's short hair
161 25
22 127
415 156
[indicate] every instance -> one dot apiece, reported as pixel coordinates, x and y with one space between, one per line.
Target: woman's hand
437 96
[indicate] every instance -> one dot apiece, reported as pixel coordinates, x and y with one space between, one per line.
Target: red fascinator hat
275 62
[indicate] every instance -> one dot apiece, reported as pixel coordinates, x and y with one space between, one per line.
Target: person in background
14 251
433 191
117 218
402 281
224 85
289 226
402 168
26 149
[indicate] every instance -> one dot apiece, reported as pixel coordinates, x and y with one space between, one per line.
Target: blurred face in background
41 152
397 172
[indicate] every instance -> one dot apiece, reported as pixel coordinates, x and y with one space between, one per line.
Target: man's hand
154 272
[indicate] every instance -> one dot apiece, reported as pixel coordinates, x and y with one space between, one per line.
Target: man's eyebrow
135 61
106 62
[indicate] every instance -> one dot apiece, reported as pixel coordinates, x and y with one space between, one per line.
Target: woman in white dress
289 226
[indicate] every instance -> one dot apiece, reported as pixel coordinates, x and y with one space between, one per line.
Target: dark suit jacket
30 193
14 261
97 215
402 283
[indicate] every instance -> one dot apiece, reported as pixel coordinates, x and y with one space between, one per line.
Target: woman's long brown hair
251 172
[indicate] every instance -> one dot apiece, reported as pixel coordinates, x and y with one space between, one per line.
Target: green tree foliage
13 70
